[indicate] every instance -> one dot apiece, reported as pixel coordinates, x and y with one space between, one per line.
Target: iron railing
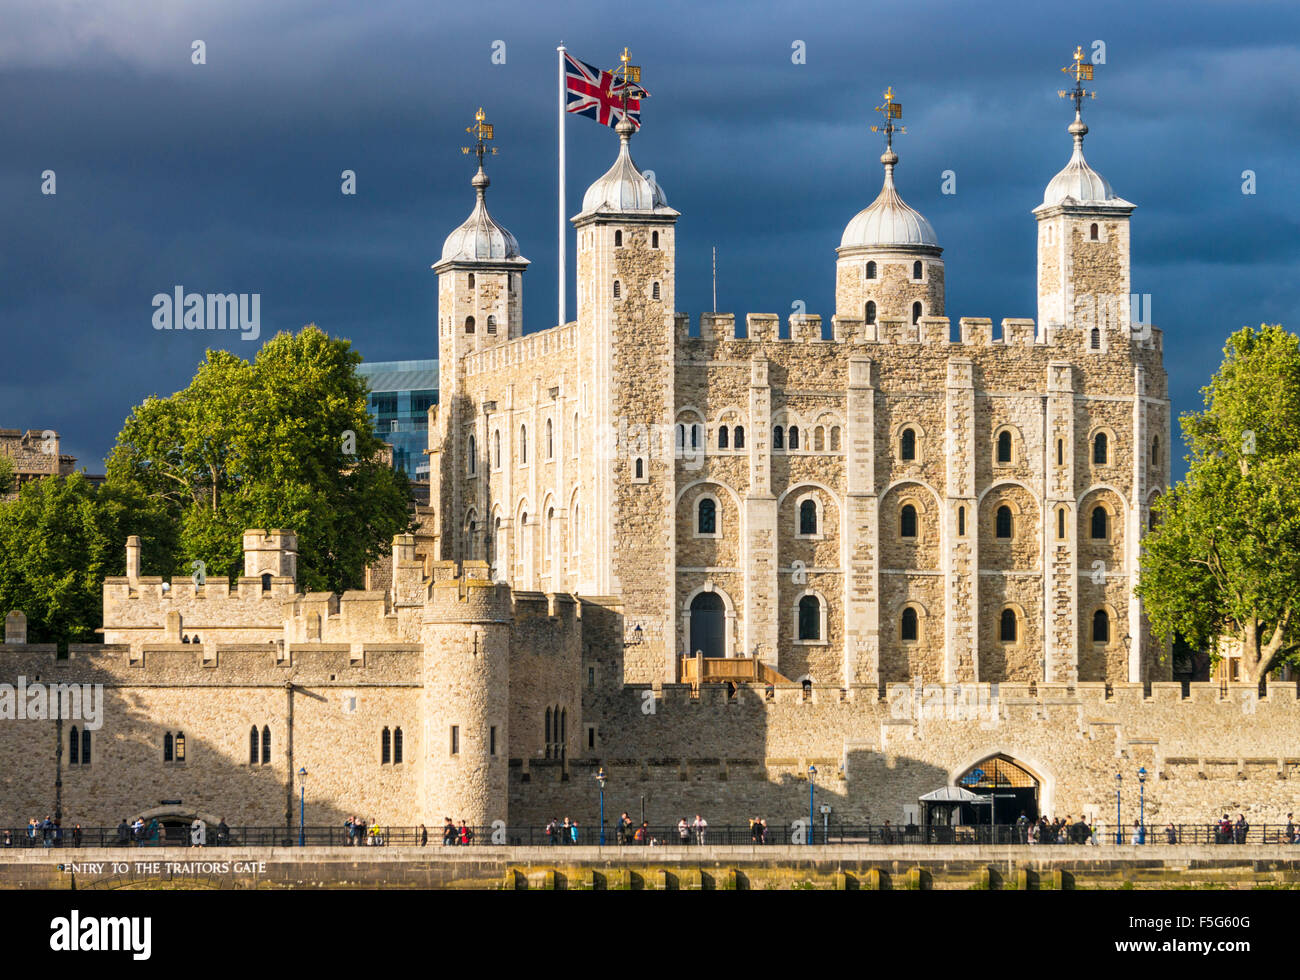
659 835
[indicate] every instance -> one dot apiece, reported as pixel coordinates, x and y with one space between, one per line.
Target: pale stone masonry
921 544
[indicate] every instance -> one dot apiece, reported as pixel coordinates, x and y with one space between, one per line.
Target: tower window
654 239
794 437
550 440
397 746
707 516
1094 338
1099 520
618 238
778 438
917 269
385 747
907 522
916 312
167 747
695 436
738 437
618 289
639 468
74 746
1092 232
1060 452
961 522
808 517
1003 522
1099 449
819 439
1060 523
1004 447
1007 627
1100 627
85 746
471 455
870 315
908 626
722 437
492 324
469 324
871 270
810 618
908 448
654 291
471 280
266 581
835 438
455 740
266 745
523 445
496 447
1155 450
253 753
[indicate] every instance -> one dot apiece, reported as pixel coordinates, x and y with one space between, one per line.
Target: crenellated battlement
523 350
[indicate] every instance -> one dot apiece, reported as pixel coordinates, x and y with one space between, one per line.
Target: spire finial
482 131
892 110
1082 72
625 85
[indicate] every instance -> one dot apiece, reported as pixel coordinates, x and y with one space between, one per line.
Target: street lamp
302 806
600 781
1142 804
1119 823
812 789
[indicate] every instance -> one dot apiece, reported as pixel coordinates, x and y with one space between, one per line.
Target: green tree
7 479
59 539
1224 559
283 442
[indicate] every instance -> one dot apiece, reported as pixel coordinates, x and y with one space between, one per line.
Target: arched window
1099 523
471 280
778 438
961 522
266 581
523 445
871 270
908 448
640 468
618 239
810 618
722 437
908 626
618 289
385 747
167 747
819 439
738 437
85 746
916 312
1155 450
681 437
654 239
1100 627
917 269
397 746
74 746
1092 232
907 522
469 324
266 745
550 440
492 324
1004 447
548 543
471 454
707 516
870 315
794 437
496 447
1099 449
1003 522
808 517
1152 519
1094 338
835 438
654 290
253 753
1060 452
1060 523
696 434
1007 628
180 746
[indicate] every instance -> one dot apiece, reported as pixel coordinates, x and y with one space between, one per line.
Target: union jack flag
598 94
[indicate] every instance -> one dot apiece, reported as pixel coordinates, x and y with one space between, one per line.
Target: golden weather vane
625 81
481 131
1082 72
892 110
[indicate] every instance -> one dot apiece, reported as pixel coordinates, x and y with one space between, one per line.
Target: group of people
562 832
49 832
363 832
453 834
758 830
1228 832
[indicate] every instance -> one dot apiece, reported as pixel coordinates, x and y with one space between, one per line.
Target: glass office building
400 395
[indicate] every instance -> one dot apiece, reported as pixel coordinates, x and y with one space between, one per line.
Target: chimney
133 559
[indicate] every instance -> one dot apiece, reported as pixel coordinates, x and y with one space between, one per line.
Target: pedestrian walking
424 836
683 831
700 826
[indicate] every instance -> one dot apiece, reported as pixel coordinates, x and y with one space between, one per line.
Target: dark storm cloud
225 177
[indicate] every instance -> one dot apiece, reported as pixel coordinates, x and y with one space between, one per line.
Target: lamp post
1119 823
302 806
600 781
812 789
1142 805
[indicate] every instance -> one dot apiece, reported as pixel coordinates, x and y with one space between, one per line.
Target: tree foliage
7 478
1224 559
262 445
59 539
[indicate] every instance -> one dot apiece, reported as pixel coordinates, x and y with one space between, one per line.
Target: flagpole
563 306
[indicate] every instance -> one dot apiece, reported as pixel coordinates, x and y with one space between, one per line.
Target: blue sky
225 177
